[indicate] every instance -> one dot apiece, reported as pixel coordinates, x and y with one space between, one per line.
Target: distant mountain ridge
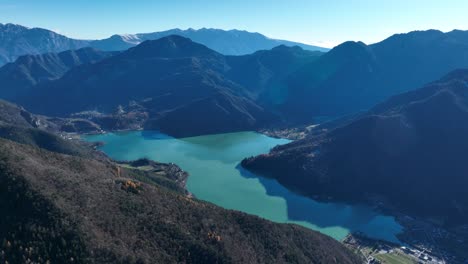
226 42
17 40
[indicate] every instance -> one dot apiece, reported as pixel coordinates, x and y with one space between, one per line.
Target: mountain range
408 151
302 88
226 42
177 82
354 76
266 88
17 40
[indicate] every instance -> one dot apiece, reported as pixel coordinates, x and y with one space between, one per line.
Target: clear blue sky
323 22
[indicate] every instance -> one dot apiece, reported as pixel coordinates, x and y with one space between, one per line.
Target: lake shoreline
257 191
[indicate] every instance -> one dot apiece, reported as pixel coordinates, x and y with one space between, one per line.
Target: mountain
117 42
354 76
83 209
227 42
179 83
409 151
264 73
16 40
29 70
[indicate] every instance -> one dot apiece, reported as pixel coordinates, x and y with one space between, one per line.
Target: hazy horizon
226 29
318 22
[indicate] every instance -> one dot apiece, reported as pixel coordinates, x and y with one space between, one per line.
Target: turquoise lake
215 176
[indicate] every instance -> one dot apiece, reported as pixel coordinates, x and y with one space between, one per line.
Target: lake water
215 176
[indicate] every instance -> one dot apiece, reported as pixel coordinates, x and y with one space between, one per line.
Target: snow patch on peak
131 38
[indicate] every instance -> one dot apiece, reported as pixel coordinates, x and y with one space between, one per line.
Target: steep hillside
14 115
18 125
409 151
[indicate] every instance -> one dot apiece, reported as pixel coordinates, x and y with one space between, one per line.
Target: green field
394 258
143 168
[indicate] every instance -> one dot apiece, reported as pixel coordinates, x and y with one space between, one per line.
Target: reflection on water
352 217
215 176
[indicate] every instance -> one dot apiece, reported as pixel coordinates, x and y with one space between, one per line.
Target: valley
226 146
